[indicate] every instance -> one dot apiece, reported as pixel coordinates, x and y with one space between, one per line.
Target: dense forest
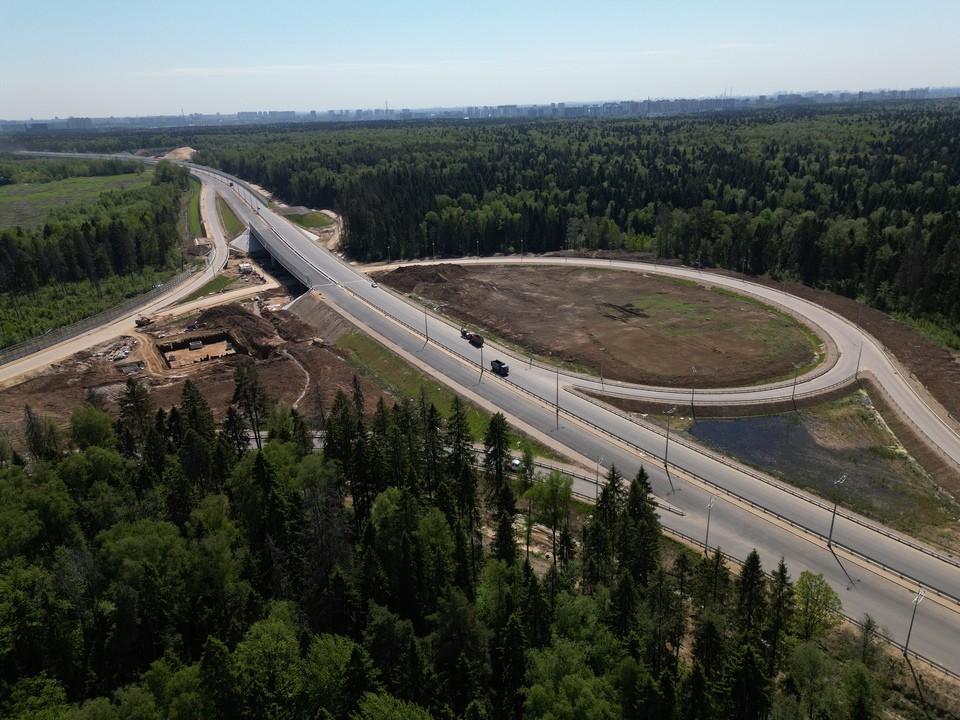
124 234
860 199
163 565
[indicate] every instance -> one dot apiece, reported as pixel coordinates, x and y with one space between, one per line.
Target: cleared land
29 204
631 327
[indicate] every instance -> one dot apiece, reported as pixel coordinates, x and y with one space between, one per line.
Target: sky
101 58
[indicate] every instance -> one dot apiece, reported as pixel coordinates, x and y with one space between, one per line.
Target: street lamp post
597 484
793 392
706 539
666 451
836 498
557 404
693 407
916 603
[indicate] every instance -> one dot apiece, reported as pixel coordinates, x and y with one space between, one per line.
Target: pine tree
496 455
250 395
639 546
779 618
751 590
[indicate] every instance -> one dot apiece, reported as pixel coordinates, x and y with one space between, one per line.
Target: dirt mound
289 326
415 278
325 322
251 334
180 154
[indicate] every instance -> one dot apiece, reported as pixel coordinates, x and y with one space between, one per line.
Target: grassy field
193 216
211 288
29 204
390 371
813 448
310 220
232 225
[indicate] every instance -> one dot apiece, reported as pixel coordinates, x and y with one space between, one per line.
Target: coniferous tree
508 668
251 397
496 455
749 613
639 546
504 545
779 617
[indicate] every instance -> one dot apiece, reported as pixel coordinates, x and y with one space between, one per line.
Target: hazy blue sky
137 57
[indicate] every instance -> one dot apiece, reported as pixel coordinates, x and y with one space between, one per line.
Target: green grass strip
211 288
310 220
193 212
391 372
232 225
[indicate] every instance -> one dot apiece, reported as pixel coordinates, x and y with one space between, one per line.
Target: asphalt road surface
874 570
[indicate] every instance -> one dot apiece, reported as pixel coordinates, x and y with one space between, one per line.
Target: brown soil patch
293 363
627 326
180 154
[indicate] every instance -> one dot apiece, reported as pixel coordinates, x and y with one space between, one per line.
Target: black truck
500 368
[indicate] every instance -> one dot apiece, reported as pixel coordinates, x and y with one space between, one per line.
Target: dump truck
498 367
473 338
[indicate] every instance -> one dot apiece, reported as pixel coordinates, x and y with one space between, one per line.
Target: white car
373 285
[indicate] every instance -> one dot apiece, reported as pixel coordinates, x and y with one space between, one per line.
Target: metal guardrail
67 332
719 489
888 640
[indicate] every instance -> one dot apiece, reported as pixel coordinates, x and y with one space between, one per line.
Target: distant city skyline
107 58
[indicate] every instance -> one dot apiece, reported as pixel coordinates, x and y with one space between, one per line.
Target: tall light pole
666 449
916 603
706 539
426 326
693 408
793 392
597 485
557 404
836 498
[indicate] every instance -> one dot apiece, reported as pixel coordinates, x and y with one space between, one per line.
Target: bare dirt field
631 327
294 362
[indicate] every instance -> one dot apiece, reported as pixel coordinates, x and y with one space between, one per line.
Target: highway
874 570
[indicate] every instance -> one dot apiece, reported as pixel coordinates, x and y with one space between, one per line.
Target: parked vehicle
500 368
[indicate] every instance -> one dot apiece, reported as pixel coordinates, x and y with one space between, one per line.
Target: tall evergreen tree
639 546
749 614
496 455
250 395
779 618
